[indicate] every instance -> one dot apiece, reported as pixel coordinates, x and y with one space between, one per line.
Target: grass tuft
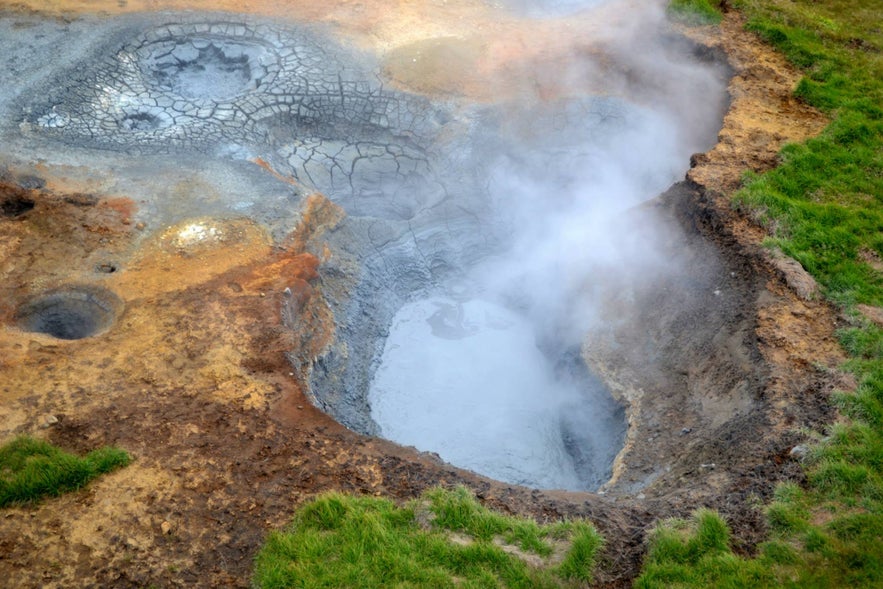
696 553
580 559
31 469
444 539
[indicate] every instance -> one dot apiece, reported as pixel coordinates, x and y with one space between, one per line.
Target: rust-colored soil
794 327
193 378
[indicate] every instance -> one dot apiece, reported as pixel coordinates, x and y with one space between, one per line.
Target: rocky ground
193 376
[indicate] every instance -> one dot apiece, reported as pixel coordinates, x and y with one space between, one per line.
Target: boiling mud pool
466 380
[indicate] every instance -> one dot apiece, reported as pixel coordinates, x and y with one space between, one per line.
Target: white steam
563 176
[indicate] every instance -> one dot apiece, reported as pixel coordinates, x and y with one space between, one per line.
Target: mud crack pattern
239 89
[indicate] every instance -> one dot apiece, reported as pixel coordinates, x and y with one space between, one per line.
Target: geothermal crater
512 283
453 335
437 195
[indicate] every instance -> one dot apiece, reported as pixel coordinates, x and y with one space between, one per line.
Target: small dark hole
15 206
106 268
140 121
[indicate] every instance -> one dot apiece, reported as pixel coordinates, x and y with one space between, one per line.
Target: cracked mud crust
232 86
193 377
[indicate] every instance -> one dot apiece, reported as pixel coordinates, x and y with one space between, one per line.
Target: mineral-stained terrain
174 267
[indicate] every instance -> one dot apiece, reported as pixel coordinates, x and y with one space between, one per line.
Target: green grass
697 553
31 469
824 207
694 12
824 203
444 539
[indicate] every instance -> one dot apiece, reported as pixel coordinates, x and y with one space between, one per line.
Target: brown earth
193 378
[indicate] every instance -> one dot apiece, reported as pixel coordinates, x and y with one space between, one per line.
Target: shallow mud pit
70 313
188 151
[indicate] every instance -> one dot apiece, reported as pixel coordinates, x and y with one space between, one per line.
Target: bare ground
194 382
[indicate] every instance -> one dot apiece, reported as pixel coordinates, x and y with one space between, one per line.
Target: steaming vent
466 379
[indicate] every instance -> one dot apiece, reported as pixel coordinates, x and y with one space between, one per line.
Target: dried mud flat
194 381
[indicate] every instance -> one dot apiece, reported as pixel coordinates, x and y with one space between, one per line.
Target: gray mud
176 108
209 95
